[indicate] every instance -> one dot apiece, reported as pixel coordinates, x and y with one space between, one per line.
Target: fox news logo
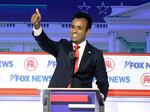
6 64
30 78
145 79
136 65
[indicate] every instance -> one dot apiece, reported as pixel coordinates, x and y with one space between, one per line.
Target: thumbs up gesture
35 19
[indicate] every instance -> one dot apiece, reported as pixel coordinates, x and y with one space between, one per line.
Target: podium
71 100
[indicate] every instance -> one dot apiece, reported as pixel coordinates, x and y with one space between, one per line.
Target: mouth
74 35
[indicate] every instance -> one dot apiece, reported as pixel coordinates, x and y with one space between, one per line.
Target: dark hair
85 16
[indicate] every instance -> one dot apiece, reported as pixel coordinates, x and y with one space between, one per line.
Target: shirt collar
82 45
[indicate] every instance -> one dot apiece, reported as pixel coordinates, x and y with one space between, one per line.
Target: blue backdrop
59 10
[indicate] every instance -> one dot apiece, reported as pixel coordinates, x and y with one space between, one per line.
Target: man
88 64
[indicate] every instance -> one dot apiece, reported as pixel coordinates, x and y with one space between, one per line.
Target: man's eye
79 28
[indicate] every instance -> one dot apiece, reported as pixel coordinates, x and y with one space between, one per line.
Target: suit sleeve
47 44
101 74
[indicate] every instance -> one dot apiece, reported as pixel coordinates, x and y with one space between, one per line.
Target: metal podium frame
46 95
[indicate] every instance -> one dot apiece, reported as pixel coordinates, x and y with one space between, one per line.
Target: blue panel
59 10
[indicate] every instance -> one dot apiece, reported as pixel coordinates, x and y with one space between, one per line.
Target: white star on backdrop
84 7
121 4
102 8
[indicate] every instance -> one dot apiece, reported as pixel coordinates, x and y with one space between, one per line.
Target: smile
74 35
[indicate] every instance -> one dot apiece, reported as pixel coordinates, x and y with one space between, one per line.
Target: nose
74 30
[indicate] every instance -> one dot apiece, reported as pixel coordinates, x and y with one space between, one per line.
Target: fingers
36 17
38 12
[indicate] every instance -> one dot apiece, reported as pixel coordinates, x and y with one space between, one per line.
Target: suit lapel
86 55
67 49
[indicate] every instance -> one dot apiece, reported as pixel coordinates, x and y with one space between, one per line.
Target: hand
35 19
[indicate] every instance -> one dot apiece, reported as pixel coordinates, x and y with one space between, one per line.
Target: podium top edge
68 89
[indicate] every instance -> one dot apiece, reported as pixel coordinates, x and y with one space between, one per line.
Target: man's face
78 30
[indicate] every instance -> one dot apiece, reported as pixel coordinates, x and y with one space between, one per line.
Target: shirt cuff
102 96
37 32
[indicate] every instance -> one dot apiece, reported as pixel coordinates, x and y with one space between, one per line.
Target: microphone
71 57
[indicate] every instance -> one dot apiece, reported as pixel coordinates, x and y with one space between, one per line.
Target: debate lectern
71 100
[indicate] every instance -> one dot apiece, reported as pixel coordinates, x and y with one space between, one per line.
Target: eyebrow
76 26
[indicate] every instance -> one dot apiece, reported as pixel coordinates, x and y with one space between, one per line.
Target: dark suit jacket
91 65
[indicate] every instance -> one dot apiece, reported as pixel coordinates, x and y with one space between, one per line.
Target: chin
74 41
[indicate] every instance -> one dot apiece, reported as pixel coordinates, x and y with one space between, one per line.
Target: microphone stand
72 60
72 76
